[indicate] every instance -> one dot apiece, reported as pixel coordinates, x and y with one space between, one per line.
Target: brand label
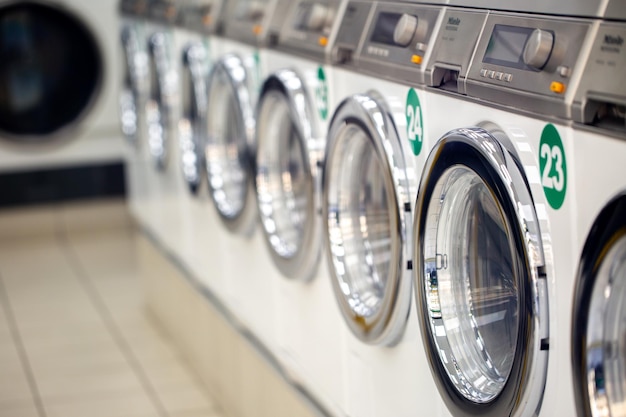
321 94
414 125
455 21
553 167
612 43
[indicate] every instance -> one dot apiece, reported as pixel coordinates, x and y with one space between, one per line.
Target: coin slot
606 115
446 78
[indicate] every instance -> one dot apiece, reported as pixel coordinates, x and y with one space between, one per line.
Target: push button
323 41
508 77
491 74
557 87
416 59
483 72
499 76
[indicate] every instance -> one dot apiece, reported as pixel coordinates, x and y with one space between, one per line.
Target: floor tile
184 397
106 406
19 409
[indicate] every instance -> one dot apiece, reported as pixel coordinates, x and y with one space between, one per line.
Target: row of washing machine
320 164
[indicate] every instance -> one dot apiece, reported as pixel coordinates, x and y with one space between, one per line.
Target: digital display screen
385 26
506 46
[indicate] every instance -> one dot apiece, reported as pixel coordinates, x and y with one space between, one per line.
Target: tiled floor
75 340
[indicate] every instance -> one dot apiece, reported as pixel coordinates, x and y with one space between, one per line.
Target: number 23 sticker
553 167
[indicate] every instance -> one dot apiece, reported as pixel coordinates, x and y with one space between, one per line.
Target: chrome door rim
159 105
129 94
231 68
287 86
491 157
385 324
596 278
191 123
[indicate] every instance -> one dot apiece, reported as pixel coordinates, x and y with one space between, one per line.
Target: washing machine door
229 149
133 84
480 276
51 72
366 209
288 151
191 125
599 325
159 106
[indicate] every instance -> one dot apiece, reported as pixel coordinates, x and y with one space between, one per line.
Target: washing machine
599 140
199 248
292 120
159 129
374 155
494 235
58 85
133 90
233 87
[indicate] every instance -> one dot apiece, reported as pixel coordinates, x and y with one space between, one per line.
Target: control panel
165 11
134 7
308 28
202 15
528 61
249 20
355 17
398 40
453 49
600 99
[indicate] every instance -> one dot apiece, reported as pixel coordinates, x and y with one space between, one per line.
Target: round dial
538 48
319 16
405 30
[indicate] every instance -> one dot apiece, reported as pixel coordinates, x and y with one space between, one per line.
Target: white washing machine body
519 148
133 89
247 284
599 146
158 140
292 121
198 223
41 127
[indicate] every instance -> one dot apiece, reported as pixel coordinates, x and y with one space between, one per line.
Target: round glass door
366 208
51 71
135 72
599 325
159 106
230 128
287 156
191 123
478 274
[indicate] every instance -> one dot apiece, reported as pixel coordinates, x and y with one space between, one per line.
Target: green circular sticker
321 94
552 166
414 126
257 69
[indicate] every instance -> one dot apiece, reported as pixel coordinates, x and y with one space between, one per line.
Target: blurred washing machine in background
494 227
291 126
134 86
599 140
370 177
233 88
195 40
58 85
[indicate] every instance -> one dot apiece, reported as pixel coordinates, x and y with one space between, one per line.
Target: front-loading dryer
370 174
292 121
58 83
599 301
493 228
233 87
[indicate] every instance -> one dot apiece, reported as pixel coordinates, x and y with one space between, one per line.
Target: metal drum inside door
366 209
229 149
480 276
159 106
192 123
288 152
599 325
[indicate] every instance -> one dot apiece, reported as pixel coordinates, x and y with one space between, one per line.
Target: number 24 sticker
553 166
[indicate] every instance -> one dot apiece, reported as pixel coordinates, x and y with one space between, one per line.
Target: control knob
538 48
409 29
320 16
